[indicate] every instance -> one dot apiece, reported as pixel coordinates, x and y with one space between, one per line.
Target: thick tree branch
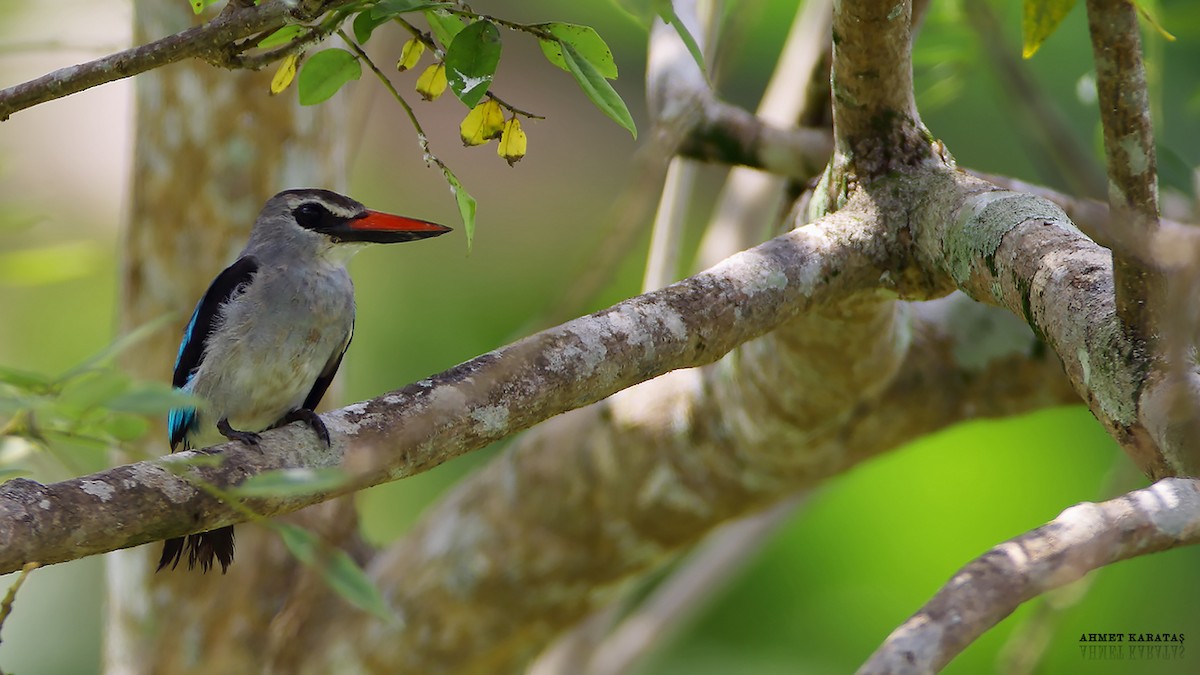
841 372
1176 245
875 121
690 323
1023 253
215 41
545 534
1085 537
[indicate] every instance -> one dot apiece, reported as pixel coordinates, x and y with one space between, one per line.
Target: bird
267 337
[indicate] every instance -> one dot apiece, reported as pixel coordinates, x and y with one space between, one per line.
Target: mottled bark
780 367
1130 157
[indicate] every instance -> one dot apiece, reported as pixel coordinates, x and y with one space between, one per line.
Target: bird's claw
312 419
247 437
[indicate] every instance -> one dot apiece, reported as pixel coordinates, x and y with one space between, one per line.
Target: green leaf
389 8
119 345
301 542
585 40
282 36
1175 171
641 11
471 61
6 474
92 389
49 263
291 482
466 205
667 11
1149 18
152 398
1039 19
324 74
444 25
11 405
597 88
339 570
199 5
125 427
365 24
59 441
25 379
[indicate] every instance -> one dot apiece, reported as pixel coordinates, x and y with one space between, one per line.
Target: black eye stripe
314 216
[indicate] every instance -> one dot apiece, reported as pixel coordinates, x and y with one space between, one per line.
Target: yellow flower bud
410 54
432 83
512 142
482 124
285 74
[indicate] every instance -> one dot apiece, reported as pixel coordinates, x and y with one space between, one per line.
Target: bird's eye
310 215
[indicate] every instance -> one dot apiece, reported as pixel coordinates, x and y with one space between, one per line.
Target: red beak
385 228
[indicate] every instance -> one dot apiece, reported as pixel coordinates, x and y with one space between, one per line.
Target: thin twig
1050 137
422 138
1085 537
513 109
216 41
11 597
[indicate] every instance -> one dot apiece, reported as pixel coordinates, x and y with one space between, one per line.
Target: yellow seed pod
482 124
432 83
512 142
285 74
410 54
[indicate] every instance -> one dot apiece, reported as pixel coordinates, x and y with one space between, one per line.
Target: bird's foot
248 437
312 419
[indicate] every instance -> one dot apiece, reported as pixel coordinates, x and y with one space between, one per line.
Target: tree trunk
210 147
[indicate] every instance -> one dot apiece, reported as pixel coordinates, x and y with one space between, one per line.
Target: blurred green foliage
865 553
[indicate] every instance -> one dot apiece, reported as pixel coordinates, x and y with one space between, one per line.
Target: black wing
322 383
195 338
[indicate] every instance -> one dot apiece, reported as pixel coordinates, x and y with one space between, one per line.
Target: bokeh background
865 552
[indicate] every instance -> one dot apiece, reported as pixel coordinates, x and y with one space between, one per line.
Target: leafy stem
422 138
465 202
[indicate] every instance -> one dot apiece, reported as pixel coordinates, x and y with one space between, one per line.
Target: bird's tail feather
202 549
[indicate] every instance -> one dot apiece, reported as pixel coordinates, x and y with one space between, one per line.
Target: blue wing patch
182 421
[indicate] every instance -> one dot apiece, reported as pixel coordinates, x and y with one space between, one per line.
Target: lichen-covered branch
690 323
1176 245
875 121
551 530
1130 157
1084 537
1022 252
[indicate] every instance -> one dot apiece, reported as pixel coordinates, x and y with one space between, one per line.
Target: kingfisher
266 339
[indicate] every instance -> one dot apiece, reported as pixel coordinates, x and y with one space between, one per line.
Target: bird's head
325 222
